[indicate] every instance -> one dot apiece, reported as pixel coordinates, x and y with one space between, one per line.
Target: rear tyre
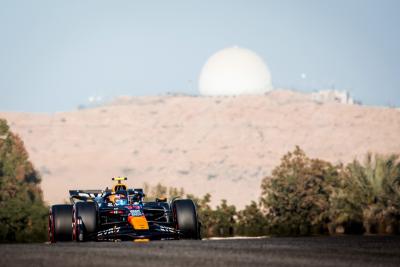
60 223
84 221
185 216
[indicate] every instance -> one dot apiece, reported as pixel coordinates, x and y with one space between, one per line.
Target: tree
23 214
346 208
296 196
369 194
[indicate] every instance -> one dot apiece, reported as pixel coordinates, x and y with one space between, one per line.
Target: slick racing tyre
60 223
84 221
185 216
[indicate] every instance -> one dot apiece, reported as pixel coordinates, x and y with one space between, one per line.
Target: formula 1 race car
122 214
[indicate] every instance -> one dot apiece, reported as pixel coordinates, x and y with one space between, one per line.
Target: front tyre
60 223
186 220
84 221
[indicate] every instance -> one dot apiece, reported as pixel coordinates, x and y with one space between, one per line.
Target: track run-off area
300 251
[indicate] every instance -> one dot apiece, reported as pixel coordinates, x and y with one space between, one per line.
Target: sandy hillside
220 145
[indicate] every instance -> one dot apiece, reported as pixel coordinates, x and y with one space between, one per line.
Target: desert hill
220 145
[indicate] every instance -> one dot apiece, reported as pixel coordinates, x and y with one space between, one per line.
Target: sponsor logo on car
136 213
109 231
167 229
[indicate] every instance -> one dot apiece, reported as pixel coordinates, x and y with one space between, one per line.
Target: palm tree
370 192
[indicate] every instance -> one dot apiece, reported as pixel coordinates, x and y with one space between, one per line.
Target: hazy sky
56 54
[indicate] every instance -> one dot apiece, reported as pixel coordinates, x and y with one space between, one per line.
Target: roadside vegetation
23 214
305 196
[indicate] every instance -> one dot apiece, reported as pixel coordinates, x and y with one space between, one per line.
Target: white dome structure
234 71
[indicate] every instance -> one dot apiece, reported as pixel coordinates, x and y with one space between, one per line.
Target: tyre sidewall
85 220
185 216
60 223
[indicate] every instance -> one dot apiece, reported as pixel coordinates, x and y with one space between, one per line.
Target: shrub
251 221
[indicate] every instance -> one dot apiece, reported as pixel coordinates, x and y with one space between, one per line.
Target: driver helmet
120 198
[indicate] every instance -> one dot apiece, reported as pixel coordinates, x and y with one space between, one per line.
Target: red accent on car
116 212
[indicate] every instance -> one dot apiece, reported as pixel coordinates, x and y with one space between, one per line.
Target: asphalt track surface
312 251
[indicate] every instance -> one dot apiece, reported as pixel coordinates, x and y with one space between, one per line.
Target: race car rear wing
84 195
90 195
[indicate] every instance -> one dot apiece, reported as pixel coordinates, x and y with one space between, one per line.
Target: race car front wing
126 232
